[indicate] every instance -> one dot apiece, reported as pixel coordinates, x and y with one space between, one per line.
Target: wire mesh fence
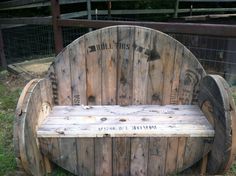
216 54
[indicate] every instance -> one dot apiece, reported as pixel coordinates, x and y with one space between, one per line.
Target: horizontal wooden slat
182 28
128 121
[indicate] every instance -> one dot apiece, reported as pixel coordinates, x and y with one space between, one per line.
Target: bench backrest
125 65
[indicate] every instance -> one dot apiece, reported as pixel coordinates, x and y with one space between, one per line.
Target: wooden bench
126 121
151 109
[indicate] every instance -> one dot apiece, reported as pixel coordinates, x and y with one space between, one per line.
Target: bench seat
126 121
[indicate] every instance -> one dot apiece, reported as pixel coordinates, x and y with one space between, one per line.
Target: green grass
8 99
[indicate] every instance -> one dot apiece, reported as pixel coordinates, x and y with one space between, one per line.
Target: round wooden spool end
216 101
34 104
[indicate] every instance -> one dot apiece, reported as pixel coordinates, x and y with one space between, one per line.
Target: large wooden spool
126 66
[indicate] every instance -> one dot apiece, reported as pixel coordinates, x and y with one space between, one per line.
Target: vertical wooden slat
2 54
68 154
109 65
85 150
94 65
193 151
157 156
56 28
103 156
89 9
180 154
139 156
125 41
121 156
78 72
155 71
179 51
176 9
171 155
140 68
62 69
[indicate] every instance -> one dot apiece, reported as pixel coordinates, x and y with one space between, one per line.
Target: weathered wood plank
157 156
180 154
121 156
109 65
68 154
117 121
139 156
171 155
62 70
168 56
78 72
93 67
140 67
103 156
174 97
85 156
125 41
155 71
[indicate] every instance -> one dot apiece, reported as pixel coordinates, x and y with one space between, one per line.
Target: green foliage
8 99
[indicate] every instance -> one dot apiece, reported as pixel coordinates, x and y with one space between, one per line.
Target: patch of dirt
38 69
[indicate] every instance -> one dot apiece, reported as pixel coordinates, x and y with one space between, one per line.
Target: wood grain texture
93 58
139 156
125 56
103 156
78 71
85 156
121 156
157 156
171 155
128 121
68 154
141 46
63 76
30 114
216 101
109 65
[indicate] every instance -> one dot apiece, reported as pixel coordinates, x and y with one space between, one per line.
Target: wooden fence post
56 28
176 9
2 54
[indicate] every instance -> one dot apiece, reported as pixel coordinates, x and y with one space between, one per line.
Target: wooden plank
157 156
216 101
125 40
109 65
193 151
171 155
190 76
139 156
180 154
155 71
27 20
27 144
57 30
85 160
121 156
109 120
168 56
141 66
78 72
3 61
94 66
174 97
103 156
68 154
63 73
182 28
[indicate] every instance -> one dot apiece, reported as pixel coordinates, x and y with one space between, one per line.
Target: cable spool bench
126 100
